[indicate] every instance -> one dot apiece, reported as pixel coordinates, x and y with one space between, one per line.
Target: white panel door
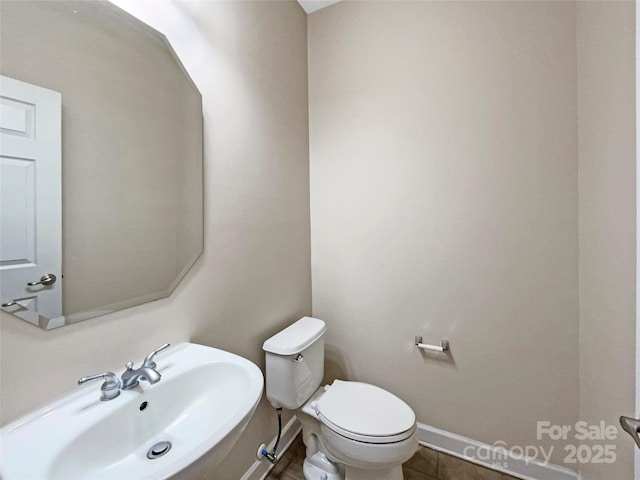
30 199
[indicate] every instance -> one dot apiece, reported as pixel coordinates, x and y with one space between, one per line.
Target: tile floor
426 464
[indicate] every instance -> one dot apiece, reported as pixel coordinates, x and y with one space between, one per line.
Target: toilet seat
365 413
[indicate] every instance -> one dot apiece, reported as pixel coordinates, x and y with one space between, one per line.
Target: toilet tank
295 363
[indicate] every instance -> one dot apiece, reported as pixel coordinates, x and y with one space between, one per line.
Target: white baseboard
457 445
261 468
442 441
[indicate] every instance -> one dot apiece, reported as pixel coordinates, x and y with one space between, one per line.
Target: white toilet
352 430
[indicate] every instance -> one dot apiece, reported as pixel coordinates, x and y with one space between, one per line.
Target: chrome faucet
130 378
147 371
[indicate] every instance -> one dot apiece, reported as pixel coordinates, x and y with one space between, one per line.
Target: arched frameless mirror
131 200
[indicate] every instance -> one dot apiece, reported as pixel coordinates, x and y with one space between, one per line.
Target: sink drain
158 450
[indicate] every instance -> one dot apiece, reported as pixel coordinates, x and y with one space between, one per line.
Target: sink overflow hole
143 405
158 450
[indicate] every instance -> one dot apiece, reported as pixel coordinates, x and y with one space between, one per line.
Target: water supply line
272 455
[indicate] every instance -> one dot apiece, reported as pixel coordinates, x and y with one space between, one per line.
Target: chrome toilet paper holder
443 347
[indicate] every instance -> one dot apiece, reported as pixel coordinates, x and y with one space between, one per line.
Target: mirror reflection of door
30 201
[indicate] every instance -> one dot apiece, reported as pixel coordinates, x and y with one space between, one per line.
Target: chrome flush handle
46 279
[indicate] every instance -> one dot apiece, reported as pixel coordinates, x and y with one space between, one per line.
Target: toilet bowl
352 430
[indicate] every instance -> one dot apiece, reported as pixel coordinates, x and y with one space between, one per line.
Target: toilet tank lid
296 337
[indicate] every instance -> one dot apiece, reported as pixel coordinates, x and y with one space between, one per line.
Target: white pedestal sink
203 402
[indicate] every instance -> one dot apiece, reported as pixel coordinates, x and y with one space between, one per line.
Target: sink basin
203 402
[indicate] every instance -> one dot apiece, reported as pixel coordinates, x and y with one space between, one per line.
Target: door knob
46 279
632 427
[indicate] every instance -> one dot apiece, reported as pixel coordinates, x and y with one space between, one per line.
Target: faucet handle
110 389
148 361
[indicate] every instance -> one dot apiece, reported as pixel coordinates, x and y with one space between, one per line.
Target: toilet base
393 473
318 467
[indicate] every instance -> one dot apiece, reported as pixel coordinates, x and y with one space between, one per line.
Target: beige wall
444 202
254 276
607 146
